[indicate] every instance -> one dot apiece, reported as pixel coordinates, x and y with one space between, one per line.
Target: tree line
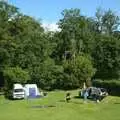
85 48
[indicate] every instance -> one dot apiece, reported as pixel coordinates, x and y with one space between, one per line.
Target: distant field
108 109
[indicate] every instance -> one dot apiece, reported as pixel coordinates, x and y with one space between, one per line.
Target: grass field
108 109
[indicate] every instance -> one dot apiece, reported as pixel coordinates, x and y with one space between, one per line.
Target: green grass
108 109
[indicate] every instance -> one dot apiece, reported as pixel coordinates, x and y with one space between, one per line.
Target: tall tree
110 21
75 36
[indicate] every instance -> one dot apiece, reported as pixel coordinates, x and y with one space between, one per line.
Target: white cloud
50 26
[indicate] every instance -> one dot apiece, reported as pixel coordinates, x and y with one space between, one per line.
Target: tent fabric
31 91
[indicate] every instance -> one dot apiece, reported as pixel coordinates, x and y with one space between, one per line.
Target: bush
14 75
68 82
112 86
8 93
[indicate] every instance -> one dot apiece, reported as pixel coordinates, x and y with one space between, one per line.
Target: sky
49 11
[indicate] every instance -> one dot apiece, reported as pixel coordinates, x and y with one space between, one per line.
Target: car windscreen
103 90
18 90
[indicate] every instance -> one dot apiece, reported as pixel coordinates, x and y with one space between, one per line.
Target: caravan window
18 90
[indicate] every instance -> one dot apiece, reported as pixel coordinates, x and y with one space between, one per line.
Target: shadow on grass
75 102
116 103
77 97
61 101
43 106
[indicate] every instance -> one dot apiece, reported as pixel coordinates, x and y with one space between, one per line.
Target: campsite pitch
54 107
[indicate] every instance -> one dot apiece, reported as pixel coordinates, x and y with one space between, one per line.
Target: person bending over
68 97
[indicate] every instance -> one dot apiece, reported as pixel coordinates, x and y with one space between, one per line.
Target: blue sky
50 10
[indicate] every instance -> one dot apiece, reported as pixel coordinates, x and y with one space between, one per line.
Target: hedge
112 86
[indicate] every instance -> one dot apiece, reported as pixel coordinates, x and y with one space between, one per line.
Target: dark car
94 92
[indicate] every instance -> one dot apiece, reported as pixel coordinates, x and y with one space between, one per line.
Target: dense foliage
112 86
84 48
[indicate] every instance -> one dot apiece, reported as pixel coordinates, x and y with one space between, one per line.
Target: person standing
85 95
68 97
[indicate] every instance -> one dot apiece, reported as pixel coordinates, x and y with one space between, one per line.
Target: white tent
31 91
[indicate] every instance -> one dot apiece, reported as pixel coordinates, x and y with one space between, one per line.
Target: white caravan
18 91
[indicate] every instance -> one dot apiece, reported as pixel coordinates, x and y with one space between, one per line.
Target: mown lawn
108 109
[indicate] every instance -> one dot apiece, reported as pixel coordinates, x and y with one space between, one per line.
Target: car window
18 90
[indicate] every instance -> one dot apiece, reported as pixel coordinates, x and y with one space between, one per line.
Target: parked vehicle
94 91
26 91
18 91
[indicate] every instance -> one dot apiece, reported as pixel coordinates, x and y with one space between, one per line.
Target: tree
15 75
99 22
79 70
106 57
110 22
7 45
47 74
58 59
71 26
75 36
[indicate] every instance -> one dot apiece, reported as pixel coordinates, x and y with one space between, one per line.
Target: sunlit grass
36 109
